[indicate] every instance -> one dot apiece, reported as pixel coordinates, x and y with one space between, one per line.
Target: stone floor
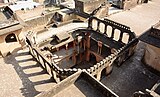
22 76
132 76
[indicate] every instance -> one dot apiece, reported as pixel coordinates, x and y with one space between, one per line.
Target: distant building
127 4
87 5
7 1
10 30
52 2
152 50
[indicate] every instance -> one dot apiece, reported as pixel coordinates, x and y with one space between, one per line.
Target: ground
132 76
22 76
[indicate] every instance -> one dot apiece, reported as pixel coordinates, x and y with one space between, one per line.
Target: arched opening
11 38
92 59
102 28
103 73
109 31
58 17
125 38
117 34
94 24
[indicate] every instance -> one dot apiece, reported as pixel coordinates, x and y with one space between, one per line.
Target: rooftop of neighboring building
8 20
139 18
152 36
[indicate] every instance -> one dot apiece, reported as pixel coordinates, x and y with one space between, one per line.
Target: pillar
74 57
66 49
108 69
99 47
87 37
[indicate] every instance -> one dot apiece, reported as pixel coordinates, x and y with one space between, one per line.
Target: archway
11 38
92 59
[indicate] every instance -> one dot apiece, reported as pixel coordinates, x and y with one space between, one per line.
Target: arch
125 38
94 24
103 73
102 27
117 34
109 31
58 17
93 58
11 38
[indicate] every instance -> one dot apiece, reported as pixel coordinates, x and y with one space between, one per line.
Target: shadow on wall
22 62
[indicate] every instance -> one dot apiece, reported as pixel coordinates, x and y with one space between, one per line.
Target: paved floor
132 76
21 76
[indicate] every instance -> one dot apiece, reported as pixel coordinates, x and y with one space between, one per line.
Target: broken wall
9 47
87 6
39 21
152 56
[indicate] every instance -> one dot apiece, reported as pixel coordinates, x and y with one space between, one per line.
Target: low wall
152 57
39 21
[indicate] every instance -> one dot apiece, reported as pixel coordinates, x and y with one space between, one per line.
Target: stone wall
152 57
88 5
39 21
6 48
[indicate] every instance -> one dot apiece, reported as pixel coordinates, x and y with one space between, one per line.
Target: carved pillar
79 40
87 55
99 47
105 30
80 44
74 57
74 44
112 36
88 40
87 46
99 75
98 26
84 44
80 57
121 36
66 49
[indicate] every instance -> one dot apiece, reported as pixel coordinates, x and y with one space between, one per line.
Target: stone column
88 40
74 57
66 49
99 47
87 46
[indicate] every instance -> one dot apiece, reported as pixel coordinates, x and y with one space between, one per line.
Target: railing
102 25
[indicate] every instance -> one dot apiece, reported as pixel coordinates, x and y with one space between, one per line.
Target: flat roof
10 28
147 38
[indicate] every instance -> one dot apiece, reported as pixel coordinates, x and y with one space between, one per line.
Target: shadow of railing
24 64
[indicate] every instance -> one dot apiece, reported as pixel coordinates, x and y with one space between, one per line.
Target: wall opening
11 38
92 59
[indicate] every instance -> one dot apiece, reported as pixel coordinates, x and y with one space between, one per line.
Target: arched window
58 17
11 38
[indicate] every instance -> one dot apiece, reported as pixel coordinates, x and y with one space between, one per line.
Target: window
11 38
